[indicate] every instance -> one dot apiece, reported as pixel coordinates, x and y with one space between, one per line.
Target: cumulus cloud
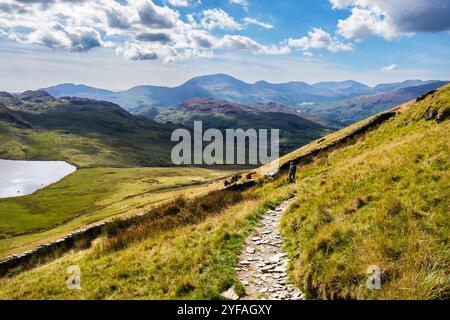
218 19
392 19
318 38
202 39
246 43
154 37
136 29
154 16
179 3
392 67
77 39
138 51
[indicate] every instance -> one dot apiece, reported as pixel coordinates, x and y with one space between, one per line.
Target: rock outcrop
13 118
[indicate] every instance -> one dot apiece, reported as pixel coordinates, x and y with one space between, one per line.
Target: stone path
262 264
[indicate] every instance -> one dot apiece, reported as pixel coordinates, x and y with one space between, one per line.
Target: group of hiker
234 179
249 176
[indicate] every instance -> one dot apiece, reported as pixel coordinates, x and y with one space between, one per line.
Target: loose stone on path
262 264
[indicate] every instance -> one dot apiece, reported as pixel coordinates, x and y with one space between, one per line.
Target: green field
91 195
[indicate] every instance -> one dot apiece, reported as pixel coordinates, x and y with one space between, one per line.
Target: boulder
250 250
443 115
430 114
230 294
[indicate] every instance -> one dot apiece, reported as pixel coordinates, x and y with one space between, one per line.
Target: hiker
292 172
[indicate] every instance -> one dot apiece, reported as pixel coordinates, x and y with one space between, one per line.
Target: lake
19 178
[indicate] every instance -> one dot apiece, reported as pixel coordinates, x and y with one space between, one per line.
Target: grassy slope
187 261
85 133
91 195
383 201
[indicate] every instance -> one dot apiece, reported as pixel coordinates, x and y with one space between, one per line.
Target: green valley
295 129
91 195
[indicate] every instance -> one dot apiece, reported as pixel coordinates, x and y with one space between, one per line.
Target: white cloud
392 19
392 67
77 39
178 3
218 19
136 29
242 3
246 43
264 25
184 3
137 51
317 38
363 23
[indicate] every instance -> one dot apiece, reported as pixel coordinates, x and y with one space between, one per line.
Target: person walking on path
292 172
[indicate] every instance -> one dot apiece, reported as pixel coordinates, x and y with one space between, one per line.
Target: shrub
120 234
392 206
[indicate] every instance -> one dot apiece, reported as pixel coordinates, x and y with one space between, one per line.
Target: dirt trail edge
262 264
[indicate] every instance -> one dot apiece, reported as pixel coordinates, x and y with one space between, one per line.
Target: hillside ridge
81 131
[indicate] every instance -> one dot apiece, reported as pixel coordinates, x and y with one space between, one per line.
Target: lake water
19 178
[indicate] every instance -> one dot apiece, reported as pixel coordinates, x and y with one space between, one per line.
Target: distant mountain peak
214 78
340 84
7 95
35 95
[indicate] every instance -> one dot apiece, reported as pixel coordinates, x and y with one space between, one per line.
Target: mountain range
348 111
96 127
225 87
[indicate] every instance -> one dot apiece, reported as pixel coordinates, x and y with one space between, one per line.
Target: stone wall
50 250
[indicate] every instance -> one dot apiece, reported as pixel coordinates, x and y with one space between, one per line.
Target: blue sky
120 44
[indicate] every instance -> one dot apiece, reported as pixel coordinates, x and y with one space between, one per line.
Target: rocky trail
262 264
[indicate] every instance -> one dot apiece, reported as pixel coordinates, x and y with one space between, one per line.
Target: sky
118 44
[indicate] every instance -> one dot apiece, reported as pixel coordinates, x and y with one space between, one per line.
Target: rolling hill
347 88
353 110
84 132
379 199
295 130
